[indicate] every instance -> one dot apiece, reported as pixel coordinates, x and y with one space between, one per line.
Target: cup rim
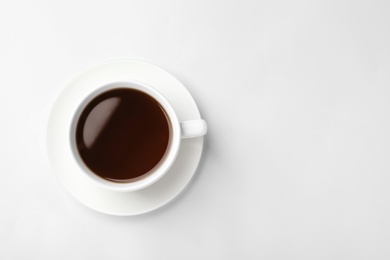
156 173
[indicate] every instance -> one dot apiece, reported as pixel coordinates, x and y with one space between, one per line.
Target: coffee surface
122 134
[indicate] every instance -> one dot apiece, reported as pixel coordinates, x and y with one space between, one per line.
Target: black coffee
122 134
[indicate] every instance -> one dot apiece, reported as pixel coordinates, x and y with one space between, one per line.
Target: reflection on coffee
122 134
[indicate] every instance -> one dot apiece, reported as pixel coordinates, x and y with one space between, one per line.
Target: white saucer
87 192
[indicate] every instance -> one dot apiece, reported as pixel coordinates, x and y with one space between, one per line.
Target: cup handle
193 128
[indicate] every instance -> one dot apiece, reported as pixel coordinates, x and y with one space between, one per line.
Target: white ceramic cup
179 130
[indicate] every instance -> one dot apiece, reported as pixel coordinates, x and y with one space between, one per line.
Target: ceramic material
89 192
179 130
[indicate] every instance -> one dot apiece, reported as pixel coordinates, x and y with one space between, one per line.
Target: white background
296 94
